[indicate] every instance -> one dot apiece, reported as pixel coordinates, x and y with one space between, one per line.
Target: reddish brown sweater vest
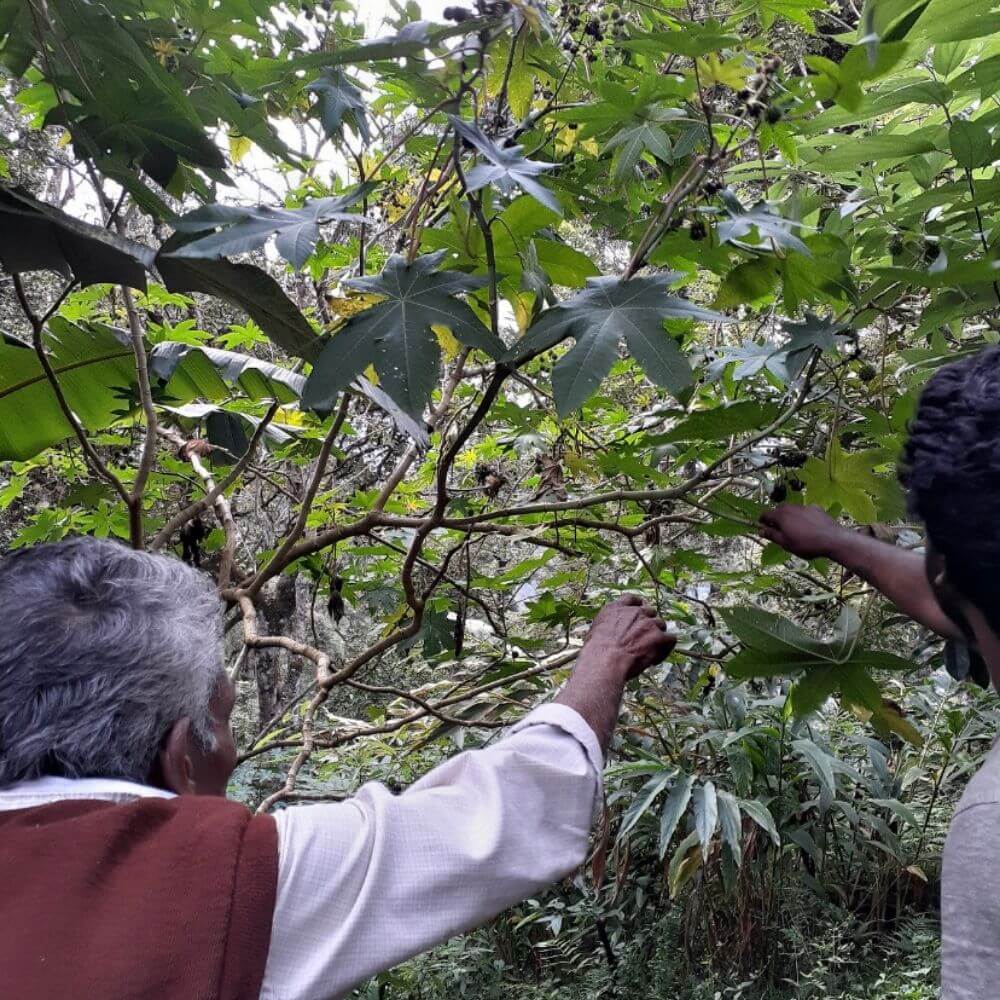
163 899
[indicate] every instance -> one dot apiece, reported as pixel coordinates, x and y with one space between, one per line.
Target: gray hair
102 650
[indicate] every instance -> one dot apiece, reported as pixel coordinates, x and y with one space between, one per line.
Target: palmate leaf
784 361
235 230
774 646
395 336
634 140
339 100
849 480
770 227
505 167
606 311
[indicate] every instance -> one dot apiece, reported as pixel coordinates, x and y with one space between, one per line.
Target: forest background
427 344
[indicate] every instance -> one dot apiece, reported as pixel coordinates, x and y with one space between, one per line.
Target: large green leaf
851 154
850 481
207 373
35 236
772 645
239 230
396 335
190 372
598 318
95 368
505 167
722 421
249 288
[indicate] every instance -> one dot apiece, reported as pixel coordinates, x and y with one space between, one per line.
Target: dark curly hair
950 469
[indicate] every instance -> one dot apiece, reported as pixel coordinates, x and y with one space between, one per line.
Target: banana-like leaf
190 372
96 371
35 236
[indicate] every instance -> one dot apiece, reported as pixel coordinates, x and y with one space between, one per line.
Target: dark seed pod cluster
755 95
591 27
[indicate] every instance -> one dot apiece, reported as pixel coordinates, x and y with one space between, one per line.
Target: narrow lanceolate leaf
235 230
505 167
761 815
706 815
598 318
820 761
641 803
730 824
684 863
673 809
396 335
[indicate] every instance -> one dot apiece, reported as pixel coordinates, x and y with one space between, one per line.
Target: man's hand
628 633
898 573
807 532
625 639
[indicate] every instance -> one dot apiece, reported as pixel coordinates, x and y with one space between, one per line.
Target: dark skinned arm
625 639
810 533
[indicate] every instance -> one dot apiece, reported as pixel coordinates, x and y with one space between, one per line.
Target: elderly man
126 873
951 470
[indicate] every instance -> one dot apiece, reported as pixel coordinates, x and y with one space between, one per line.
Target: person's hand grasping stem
626 638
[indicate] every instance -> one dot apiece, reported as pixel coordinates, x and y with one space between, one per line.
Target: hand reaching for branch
628 635
626 638
808 532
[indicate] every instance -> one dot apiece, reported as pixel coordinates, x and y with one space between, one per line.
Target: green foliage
545 304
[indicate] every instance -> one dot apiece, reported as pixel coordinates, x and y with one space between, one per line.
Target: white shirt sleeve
366 883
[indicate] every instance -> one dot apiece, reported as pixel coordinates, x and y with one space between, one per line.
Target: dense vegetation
426 345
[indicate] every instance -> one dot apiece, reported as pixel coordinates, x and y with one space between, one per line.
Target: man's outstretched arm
809 532
365 883
626 638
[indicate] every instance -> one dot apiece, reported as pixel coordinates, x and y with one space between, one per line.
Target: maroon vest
163 899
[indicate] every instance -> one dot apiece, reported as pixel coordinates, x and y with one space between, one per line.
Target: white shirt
366 883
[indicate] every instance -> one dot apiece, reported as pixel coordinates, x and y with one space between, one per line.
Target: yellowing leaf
521 305
346 306
577 464
371 374
239 146
449 345
293 418
732 73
